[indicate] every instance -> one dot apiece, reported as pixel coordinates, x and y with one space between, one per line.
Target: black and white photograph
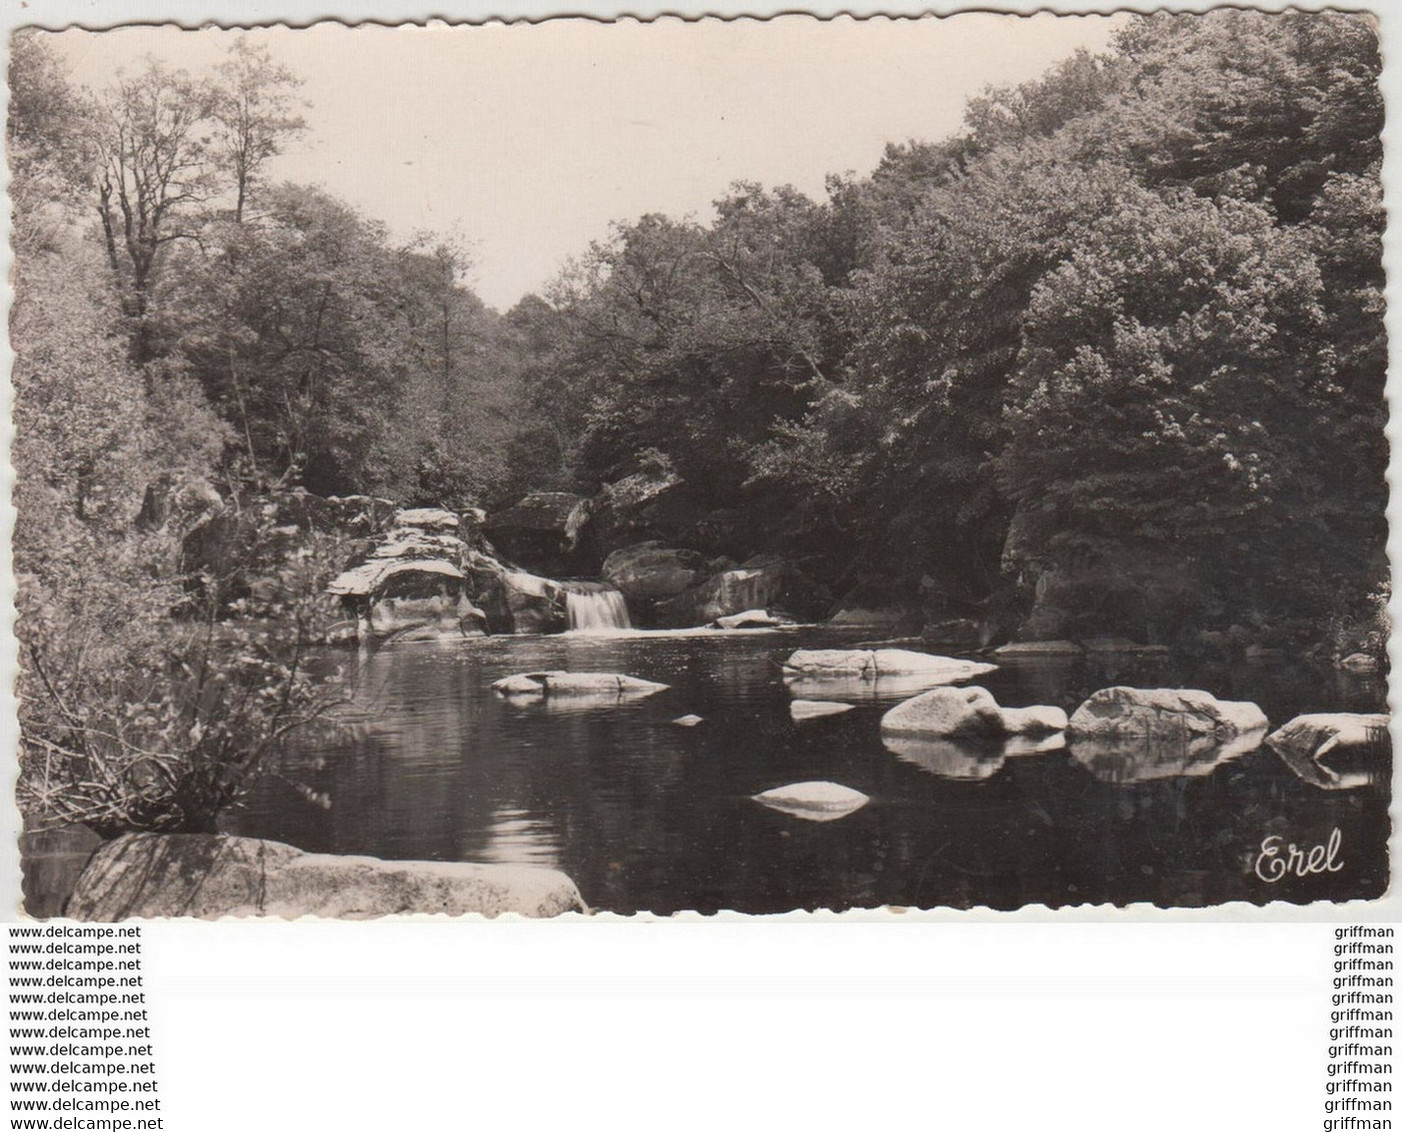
647 467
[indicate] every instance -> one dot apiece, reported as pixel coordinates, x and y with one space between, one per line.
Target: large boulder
955 713
596 687
646 572
814 801
1162 713
149 875
946 712
1136 734
1335 750
654 504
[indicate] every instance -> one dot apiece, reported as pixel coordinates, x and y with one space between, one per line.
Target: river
647 815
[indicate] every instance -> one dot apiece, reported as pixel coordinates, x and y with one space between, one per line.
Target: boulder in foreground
146 875
1163 713
814 801
601 686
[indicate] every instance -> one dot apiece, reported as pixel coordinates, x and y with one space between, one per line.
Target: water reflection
855 690
517 838
645 815
966 760
1122 760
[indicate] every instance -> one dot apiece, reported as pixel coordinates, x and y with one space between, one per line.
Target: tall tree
254 108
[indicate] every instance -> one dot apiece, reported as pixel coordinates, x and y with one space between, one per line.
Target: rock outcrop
409 599
148 875
515 601
648 571
541 532
814 801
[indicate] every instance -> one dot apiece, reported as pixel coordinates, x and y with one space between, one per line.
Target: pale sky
528 139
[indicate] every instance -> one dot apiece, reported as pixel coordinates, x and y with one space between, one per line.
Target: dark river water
645 815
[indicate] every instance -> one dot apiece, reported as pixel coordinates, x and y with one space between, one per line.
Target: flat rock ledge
873 664
208 876
603 686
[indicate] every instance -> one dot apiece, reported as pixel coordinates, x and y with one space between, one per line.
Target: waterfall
595 608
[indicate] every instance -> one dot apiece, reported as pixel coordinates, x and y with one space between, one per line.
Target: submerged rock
814 801
598 687
1039 648
147 875
968 713
1163 713
1335 750
804 710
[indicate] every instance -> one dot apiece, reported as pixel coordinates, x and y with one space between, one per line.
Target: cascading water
595 608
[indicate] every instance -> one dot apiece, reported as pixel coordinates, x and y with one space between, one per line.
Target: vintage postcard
700 466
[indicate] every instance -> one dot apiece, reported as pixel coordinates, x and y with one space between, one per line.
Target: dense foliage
1119 341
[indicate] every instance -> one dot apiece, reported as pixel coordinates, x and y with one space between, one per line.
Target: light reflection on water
645 815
